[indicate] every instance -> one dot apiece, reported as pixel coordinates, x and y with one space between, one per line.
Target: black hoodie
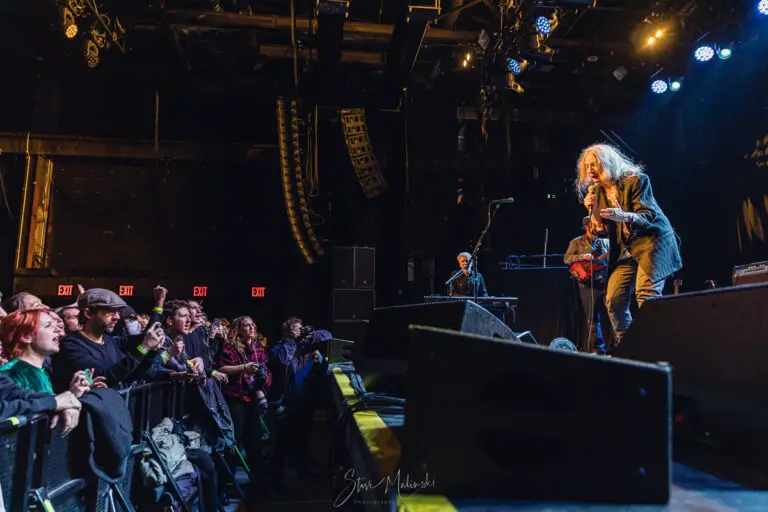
15 401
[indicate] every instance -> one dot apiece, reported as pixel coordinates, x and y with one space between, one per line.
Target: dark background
226 223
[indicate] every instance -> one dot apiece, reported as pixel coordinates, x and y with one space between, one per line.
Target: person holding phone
244 360
96 347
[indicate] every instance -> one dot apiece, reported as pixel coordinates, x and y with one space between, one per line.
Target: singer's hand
615 214
586 257
590 200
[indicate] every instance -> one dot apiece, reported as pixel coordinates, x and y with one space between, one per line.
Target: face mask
133 327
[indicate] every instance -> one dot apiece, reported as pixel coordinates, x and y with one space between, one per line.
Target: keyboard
484 301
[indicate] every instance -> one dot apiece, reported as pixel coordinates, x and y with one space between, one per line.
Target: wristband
242 367
142 350
165 357
214 372
158 310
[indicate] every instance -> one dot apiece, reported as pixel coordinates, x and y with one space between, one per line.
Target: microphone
506 200
591 190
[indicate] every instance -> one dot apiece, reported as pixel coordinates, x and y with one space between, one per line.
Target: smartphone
88 376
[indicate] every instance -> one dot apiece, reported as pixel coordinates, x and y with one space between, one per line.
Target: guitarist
585 249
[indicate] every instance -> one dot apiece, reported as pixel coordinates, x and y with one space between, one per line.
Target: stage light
543 26
762 7
517 66
659 87
704 53
675 86
91 53
651 41
725 53
659 33
68 22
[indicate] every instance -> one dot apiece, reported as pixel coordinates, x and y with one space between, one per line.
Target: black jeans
248 432
593 303
209 501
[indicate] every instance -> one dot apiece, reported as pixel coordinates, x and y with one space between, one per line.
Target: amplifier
751 273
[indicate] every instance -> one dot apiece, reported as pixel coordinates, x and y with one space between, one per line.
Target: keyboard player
463 284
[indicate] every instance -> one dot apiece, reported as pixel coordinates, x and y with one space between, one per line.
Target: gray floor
300 495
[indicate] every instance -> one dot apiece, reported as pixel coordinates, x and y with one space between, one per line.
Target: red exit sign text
258 291
125 291
200 291
65 290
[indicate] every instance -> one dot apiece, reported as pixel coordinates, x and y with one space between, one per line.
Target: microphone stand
493 207
448 283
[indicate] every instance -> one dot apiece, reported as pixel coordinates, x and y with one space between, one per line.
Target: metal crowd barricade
18 442
149 404
62 484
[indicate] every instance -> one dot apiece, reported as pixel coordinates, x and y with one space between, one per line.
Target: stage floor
692 491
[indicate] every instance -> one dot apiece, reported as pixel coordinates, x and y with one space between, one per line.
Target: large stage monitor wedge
488 419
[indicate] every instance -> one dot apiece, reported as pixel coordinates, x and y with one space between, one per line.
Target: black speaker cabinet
354 267
491 419
717 343
352 330
352 304
388 333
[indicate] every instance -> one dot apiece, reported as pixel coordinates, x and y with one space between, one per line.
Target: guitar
584 270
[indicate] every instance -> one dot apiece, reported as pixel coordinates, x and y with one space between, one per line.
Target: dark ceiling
246 51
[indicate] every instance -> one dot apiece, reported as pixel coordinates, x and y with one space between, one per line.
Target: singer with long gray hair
644 249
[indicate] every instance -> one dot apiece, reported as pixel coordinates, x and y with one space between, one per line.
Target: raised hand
154 337
79 386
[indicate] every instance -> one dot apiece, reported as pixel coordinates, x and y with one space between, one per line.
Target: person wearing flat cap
96 348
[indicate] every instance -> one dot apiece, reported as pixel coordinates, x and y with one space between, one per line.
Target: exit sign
258 291
200 291
125 291
65 290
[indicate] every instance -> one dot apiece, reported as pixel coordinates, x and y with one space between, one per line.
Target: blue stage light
543 26
659 86
514 67
725 53
704 53
762 7
675 86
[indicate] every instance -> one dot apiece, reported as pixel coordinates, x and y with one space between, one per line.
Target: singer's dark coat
652 241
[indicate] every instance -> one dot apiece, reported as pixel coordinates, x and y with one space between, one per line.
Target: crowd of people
254 400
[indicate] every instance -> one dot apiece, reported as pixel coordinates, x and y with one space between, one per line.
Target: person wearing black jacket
643 247
292 363
463 284
97 349
15 401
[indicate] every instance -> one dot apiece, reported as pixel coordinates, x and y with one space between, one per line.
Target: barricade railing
38 466
18 437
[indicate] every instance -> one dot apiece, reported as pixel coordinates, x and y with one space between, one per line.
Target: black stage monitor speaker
388 332
353 304
352 330
717 343
354 267
518 421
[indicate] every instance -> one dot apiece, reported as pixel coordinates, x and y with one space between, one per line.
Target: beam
58 145
268 21
286 52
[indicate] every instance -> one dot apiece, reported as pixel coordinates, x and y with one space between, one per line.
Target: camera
307 331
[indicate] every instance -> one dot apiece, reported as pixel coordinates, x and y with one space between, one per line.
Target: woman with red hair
28 337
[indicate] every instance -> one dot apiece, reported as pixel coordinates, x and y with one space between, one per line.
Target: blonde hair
233 334
617 166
